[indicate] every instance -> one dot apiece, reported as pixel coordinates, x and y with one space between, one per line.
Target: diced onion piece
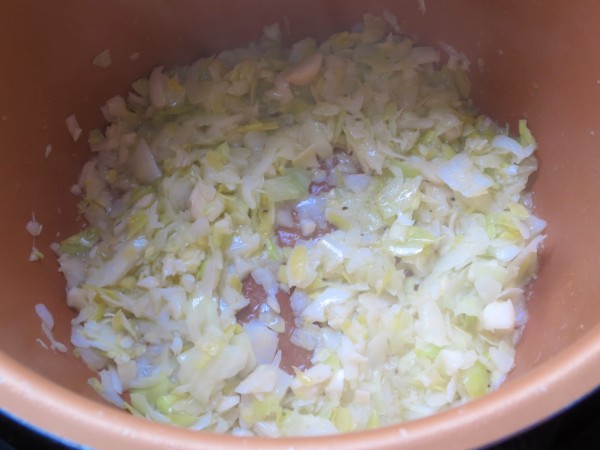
305 71
142 163
261 380
263 341
498 316
33 227
47 325
157 94
42 311
73 127
103 59
35 254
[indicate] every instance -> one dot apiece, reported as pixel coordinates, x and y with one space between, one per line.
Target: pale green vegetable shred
411 299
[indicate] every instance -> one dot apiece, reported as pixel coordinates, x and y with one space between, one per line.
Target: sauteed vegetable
304 240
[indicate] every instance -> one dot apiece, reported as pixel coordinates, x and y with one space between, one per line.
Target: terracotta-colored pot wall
531 59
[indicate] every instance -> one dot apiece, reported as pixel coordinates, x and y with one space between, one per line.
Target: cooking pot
530 59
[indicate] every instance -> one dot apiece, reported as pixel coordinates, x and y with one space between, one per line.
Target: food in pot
305 240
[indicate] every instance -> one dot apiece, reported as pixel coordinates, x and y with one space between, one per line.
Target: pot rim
516 405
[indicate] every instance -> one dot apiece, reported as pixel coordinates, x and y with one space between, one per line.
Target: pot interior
529 60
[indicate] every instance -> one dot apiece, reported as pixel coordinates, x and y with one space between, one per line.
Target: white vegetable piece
261 380
33 227
142 163
263 340
498 316
304 71
47 325
513 146
73 127
103 59
460 174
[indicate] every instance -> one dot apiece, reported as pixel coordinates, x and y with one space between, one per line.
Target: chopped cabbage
352 176
47 325
33 227
73 127
103 59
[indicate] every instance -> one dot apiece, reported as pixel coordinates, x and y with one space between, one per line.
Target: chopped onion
262 340
103 59
33 227
73 127
498 316
142 163
47 325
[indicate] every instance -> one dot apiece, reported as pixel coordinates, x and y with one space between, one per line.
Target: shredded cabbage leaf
355 176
